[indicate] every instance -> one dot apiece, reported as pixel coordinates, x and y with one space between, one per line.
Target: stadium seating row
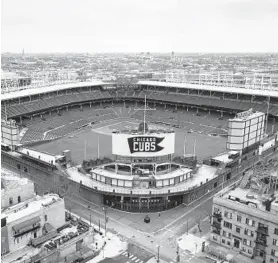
163 96
57 126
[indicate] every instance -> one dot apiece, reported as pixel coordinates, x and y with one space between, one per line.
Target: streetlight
105 219
158 247
178 253
90 215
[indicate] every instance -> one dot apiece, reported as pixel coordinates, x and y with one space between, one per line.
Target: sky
139 26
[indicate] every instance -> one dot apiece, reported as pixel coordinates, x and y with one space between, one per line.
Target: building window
276 231
223 241
228 243
238 230
250 251
45 218
226 234
250 222
228 225
271 260
274 253
236 243
35 234
11 200
248 232
238 218
228 215
19 199
214 238
247 242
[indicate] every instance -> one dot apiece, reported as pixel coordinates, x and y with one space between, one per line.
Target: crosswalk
188 256
131 258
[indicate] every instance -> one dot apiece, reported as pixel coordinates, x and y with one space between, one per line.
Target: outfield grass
205 145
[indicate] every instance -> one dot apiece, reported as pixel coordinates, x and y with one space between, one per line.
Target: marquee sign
143 145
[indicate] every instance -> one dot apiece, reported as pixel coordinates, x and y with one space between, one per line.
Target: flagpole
184 145
194 153
85 151
145 113
98 147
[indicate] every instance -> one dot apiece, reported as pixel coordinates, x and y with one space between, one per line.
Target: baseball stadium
149 146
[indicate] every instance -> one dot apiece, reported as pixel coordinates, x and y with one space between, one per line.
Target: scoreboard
147 145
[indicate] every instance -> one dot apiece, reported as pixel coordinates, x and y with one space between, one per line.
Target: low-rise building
15 190
29 220
246 221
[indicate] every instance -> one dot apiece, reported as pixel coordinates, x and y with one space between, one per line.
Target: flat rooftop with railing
29 207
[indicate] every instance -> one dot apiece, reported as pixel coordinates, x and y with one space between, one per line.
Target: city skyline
139 26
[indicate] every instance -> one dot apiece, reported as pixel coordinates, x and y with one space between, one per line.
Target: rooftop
28 207
204 172
43 156
41 90
250 201
224 157
247 115
10 180
246 91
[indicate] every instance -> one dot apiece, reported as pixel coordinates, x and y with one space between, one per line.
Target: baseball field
84 144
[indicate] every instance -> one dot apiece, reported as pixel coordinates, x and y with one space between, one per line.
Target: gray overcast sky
139 25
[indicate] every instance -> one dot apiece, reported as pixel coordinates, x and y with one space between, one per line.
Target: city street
132 254
165 238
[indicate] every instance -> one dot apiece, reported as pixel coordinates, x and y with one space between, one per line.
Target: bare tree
198 220
208 214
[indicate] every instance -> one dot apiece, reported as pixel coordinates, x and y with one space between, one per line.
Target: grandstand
63 109
55 126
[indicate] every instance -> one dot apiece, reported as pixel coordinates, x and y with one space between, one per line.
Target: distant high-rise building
23 52
172 55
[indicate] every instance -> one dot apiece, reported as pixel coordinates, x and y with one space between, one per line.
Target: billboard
148 145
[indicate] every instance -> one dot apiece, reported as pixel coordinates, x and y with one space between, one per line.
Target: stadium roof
41 90
245 91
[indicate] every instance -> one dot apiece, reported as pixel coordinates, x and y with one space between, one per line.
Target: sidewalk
153 260
226 252
108 246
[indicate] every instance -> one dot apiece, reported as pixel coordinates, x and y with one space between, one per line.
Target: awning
42 239
26 224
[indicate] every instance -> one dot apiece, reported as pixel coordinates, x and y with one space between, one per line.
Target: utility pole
98 146
158 247
105 219
267 113
178 253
